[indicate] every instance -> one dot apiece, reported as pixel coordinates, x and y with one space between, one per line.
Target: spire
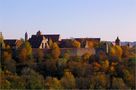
117 41
26 36
39 33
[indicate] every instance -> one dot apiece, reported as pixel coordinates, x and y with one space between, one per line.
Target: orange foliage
76 44
23 54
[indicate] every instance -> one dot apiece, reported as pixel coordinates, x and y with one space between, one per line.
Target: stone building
42 41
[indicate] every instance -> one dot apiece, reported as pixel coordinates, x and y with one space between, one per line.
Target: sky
105 19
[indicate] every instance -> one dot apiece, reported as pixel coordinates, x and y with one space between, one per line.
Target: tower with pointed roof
39 33
26 36
117 41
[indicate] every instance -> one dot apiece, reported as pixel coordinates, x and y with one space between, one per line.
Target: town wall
71 51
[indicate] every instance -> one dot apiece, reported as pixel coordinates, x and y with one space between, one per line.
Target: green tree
10 80
33 80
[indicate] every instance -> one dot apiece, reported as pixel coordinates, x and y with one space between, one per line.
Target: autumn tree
82 82
33 80
50 43
8 62
86 56
66 56
118 83
76 44
90 44
55 51
11 80
29 49
68 81
2 45
105 65
52 83
98 81
23 54
126 51
116 51
40 55
25 51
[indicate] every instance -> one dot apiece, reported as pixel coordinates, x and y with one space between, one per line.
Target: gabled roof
54 37
36 41
13 42
65 43
10 42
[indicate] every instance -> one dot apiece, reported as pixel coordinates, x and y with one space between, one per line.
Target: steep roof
35 41
10 42
13 42
54 37
117 40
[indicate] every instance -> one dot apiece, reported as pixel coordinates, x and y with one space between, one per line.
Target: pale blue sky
70 18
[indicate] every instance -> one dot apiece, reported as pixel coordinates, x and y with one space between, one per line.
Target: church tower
117 41
26 36
39 33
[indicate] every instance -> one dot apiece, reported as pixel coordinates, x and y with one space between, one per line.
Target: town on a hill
44 61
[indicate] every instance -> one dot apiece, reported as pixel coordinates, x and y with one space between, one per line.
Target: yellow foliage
90 44
76 44
105 64
96 66
68 80
86 56
112 51
116 51
53 83
55 51
50 43
66 55
28 48
112 68
23 54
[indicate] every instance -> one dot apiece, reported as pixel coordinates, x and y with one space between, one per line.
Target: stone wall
71 51
77 51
